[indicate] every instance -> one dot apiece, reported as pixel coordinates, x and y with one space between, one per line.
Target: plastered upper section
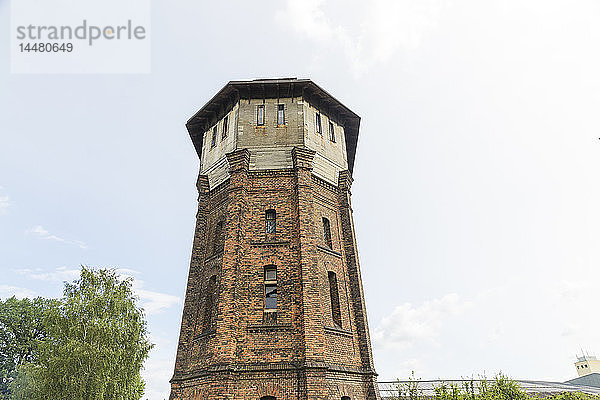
271 144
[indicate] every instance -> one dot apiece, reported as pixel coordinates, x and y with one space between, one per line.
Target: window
345 398
270 218
327 232
260 115
213 142
335 299
270 287
318 123
280 115
270 398
331 132
225 127
210 302
219 238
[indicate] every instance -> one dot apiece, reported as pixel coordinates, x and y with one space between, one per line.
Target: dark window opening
345 398
260 115
270 287
331 132
210 302
225 127
270 398
318 123
280 114
335 299
327 233
270 218
219 238
213 142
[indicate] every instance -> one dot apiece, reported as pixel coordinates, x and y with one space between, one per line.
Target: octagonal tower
274 307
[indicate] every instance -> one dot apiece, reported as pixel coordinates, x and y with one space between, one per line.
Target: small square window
280 114
260 115
270 274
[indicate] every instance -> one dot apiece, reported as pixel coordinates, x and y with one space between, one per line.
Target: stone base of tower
282 382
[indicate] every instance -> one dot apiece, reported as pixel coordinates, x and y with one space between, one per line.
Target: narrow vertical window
280 115
331 132
260 115
209 304
213 142
327 232
270 218
270 287
318 123
335 299
225 127
219 238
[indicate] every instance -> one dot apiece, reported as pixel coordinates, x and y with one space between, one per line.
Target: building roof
226 98
586 380
389 390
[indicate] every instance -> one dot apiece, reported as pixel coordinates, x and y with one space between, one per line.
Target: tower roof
226 98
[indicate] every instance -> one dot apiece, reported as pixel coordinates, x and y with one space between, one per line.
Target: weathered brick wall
303 355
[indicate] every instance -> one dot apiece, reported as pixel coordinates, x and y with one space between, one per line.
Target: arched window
345 398
335 299
327 232
209 305
269 398
270 221
219 238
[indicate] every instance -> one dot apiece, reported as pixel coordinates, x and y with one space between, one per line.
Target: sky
476 196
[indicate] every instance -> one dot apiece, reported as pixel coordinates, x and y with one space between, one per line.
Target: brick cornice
202 184
238 160
303 157
345 180
270 367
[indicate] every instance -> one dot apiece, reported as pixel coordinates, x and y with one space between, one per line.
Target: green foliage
409 390
97 343
499 388
21 328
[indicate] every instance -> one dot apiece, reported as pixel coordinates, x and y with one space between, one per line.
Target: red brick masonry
229 346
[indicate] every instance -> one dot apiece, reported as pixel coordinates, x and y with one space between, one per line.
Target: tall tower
274 307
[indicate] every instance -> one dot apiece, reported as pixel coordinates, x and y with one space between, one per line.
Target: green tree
96 346
21 328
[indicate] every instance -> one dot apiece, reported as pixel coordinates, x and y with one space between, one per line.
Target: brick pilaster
356 288
234 229
192 297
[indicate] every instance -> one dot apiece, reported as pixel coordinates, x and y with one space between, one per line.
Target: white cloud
60 274
386 26
4 203
42 233
407 324
7 291
155 302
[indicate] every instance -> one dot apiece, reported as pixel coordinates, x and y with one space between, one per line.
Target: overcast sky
476 194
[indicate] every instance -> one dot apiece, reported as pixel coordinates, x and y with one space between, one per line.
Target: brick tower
274 307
